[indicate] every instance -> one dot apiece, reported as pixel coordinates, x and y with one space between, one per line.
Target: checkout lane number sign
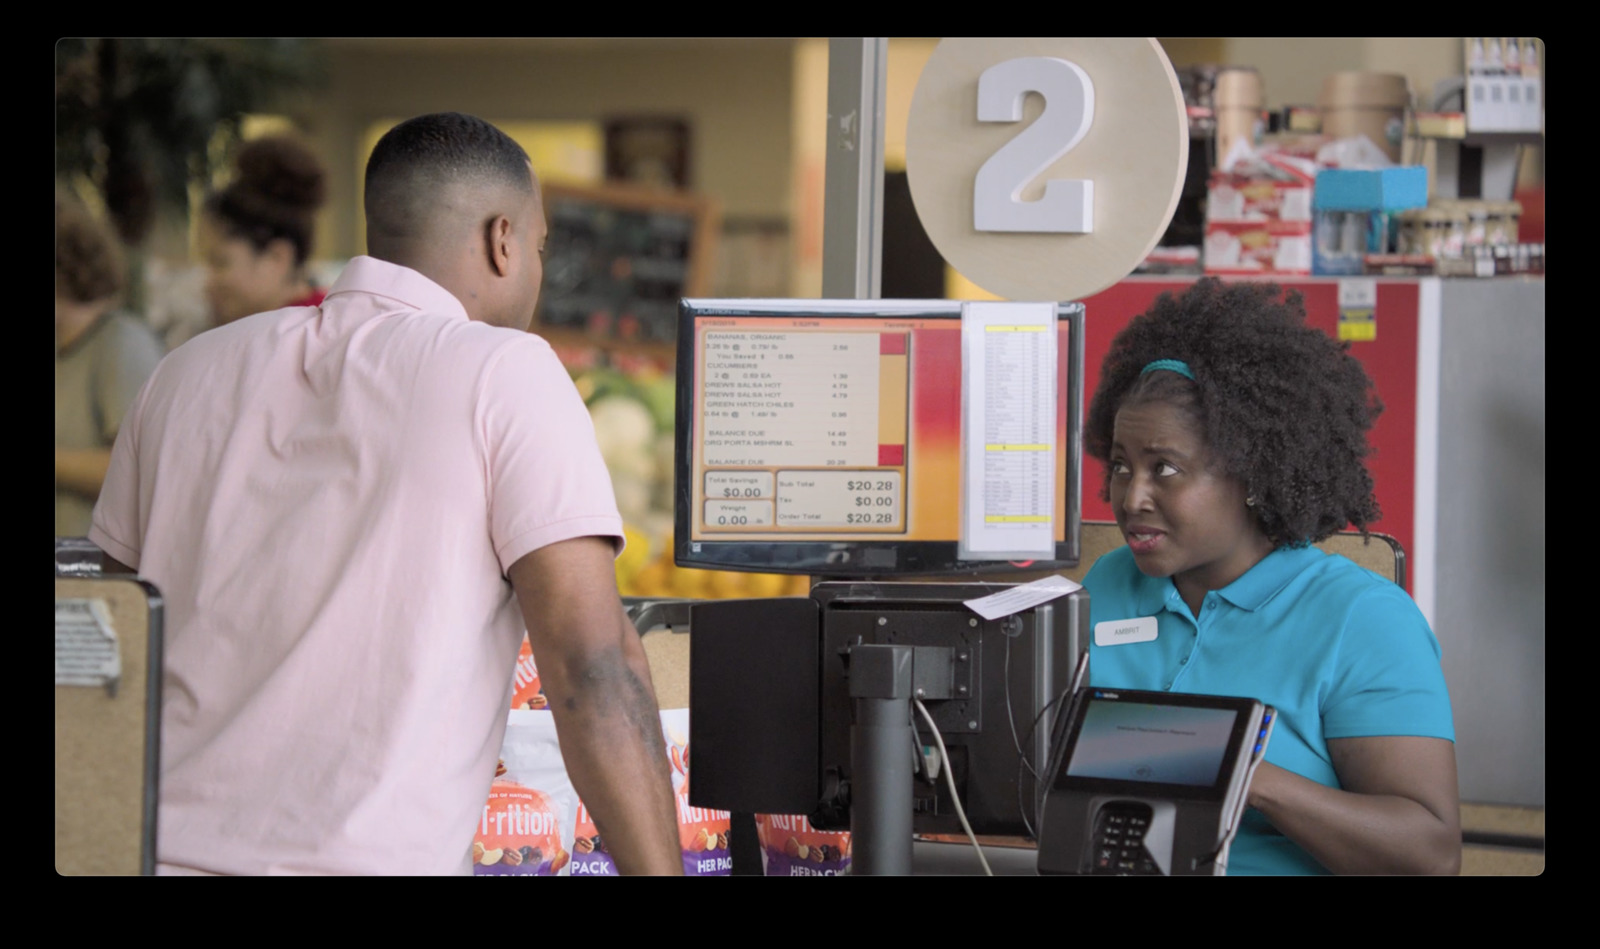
1046 168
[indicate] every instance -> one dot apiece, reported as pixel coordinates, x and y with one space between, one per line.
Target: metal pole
852 221
880 761
852 268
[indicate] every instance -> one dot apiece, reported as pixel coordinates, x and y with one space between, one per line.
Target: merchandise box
1355 214
1379 189
1398 265
1232 198
1260 248
1440 124
1344 239
1265 187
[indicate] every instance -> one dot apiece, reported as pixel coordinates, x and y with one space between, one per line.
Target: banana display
632 409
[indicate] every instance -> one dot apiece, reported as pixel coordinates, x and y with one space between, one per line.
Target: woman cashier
1234 438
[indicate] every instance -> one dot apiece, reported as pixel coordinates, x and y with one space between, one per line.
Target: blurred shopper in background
103 356
255 234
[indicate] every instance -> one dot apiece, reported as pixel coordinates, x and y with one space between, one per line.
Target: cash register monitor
823 437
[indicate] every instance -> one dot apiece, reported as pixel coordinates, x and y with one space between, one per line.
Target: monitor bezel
1246 720
867 558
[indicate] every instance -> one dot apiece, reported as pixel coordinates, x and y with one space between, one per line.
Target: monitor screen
824 437
1163 744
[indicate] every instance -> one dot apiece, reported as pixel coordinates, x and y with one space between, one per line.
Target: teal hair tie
1171 365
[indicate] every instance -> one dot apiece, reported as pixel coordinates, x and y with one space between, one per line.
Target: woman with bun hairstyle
255 234
1235 438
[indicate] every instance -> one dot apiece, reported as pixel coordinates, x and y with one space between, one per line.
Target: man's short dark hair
421 155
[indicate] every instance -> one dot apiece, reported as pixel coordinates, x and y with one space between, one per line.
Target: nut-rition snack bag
702 832
526 827
589 855
790 846
527 692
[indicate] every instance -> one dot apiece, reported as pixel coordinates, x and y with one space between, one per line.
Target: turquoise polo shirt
1340 651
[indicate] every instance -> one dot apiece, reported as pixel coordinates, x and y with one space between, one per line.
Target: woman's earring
1250 501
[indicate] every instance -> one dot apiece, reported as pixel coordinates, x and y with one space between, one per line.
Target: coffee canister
1239 96
1366 103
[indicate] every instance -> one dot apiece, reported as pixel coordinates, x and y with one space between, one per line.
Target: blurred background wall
753 109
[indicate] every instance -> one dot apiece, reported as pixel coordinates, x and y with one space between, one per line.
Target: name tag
1120 632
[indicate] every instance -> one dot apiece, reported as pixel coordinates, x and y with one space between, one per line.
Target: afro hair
1283 406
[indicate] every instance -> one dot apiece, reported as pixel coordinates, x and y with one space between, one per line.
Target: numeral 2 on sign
1068 204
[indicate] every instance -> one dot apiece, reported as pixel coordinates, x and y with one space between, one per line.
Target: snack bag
589 856
527 693
527 821
519 835
790 846
702 832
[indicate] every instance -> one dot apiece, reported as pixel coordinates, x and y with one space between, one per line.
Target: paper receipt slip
86 645
1022 597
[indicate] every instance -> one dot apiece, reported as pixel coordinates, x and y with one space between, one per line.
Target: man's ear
498 236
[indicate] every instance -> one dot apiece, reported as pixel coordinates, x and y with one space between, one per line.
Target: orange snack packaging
790 846
702 832
589 855
526 827
527 694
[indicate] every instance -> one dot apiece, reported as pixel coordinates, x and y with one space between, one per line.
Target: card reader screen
1162 744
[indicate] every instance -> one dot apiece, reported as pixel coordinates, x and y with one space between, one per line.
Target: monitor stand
881 774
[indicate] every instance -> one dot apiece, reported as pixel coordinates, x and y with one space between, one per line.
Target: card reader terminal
1150 783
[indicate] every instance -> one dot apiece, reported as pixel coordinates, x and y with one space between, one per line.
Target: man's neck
449 274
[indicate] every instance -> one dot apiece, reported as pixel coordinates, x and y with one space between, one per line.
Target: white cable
951 781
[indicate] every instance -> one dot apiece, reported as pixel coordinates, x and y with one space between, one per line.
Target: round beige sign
1046 168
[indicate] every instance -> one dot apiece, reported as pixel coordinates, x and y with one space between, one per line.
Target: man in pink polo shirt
344 507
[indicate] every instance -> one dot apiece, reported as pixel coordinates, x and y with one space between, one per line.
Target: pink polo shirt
329 499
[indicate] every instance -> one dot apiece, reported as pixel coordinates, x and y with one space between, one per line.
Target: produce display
632 404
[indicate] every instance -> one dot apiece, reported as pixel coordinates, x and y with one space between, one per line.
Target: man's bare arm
595 674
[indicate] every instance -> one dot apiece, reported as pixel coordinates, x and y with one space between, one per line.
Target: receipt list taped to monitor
1008 430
